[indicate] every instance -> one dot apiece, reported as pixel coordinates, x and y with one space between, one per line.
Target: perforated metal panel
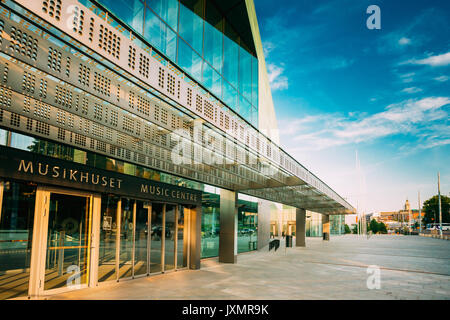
93 107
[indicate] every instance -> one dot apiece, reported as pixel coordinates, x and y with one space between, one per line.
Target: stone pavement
411 267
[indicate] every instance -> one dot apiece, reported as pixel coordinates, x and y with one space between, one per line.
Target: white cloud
442 78
412 90
276 79
404 41
434 61
411 116
268 47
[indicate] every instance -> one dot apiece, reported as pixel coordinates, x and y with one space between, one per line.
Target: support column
195 237
263 223
326 225
300 233
228 227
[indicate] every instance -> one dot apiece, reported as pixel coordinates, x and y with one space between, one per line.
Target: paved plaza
411 267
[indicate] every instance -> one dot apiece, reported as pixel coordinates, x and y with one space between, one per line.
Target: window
229 95
167 10
159 35
245 74
230 63
213 47
190 28
255 82
129 11
190 61
212 80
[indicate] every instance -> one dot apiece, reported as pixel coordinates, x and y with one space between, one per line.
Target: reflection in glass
126 238
230 61
129 11
314 224
190 61
181 239
160 35
141 239
245 73
190 28
210 225
3 137
230 95
67 258
169 257
247 225
156 234
213 47
167 10
16 234
108 234
254 82
245 108
212 80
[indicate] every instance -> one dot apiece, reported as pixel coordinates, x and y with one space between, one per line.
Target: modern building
136 138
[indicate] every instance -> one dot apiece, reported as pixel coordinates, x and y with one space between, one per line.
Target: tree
431 209
374 226
347 229
382 228
355 229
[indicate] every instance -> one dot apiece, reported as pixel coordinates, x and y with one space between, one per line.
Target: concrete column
263 223
326 224
228 227
300 233
195 231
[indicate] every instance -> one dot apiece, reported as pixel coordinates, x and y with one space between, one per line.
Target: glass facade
210 225
196 37
337 224
313 224
16 235
247 233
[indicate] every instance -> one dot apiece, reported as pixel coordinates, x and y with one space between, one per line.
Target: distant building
396 219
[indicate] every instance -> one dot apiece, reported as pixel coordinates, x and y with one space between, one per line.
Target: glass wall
141 238
157 237
16 234
210 225
169 243
182 240
108 234
337 224
198 38
313 224
126 238
247 226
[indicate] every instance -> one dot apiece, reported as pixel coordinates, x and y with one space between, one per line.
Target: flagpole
440 208
420 216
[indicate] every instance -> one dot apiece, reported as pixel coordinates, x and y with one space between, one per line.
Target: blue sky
366 110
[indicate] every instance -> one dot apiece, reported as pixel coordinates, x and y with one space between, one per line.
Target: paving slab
411 268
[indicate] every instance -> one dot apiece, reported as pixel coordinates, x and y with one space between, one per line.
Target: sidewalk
412 267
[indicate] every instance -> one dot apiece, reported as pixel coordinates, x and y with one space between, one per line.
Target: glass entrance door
68 242
17 201
157 237
142 240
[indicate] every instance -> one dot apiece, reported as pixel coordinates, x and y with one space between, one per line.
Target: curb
444 237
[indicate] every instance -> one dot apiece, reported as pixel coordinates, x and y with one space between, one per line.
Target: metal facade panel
61 92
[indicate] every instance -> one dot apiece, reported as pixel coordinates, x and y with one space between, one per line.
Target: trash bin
326 236
288 241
